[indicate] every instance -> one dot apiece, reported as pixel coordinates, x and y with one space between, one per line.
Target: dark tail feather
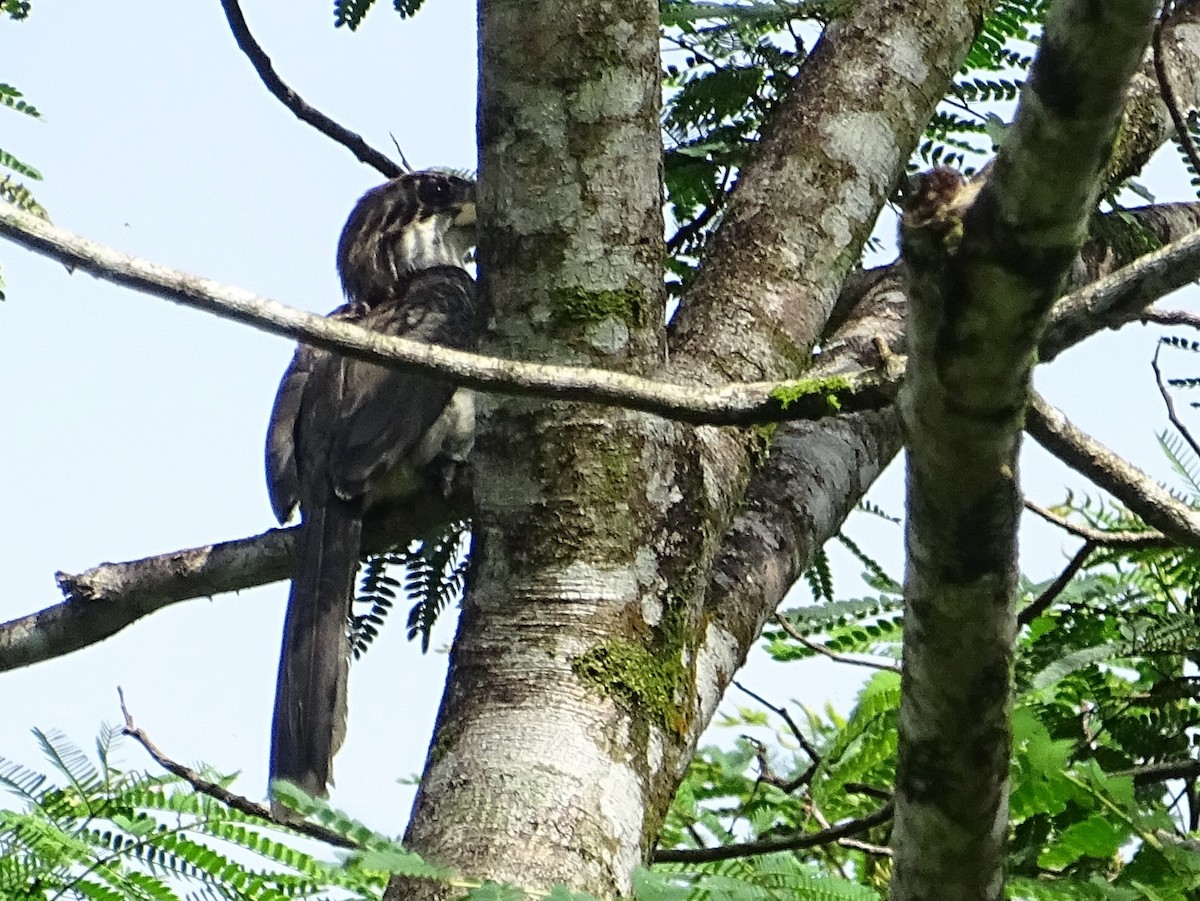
310 696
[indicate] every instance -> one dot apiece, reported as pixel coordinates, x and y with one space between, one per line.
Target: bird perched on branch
348 436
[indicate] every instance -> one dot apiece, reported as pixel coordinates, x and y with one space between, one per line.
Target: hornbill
348 437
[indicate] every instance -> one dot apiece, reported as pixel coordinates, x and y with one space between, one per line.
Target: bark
545 750
585 666
985 265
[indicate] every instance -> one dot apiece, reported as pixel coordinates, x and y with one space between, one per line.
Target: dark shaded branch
1169 401
226 797
784 714
771 845
289 98
1150 773
1042 602
1168 92
1171 317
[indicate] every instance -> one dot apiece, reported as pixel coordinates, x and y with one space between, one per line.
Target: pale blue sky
135 427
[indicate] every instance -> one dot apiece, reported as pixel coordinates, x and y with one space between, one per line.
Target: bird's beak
466 216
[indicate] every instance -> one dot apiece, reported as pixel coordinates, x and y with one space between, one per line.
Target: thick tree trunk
595 642
985 267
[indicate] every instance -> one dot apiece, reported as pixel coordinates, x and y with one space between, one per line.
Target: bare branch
1098 537
1169 401
1171 317
734 404
1128 484
770 845
1043 601
226 797
786 716
289 98
106 599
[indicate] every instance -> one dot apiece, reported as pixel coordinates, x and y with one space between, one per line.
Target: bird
347 437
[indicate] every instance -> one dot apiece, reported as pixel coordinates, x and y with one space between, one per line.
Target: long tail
310 696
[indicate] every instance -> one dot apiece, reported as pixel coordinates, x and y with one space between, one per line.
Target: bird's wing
283 475
385 412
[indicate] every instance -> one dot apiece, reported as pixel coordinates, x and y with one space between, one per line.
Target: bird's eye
434 192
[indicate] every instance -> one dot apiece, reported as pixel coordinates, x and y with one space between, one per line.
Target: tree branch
986 264
1150 773
1121 296
226 797
734 404
1042 602
1169 402
289 98
1128 484
1171 318
1100 538
771 845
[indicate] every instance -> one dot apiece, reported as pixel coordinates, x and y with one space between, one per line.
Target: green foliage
15 9
434 571
1105 715
11 190
727 65
351 12
98 832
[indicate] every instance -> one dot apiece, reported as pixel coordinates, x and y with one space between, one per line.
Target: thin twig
782 713
289 98
1043 601
1171 317
831 654
776 843
1125 540
861 788
226 797
767 776
857 844
1172 415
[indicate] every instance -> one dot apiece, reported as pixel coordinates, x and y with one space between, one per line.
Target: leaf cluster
433 572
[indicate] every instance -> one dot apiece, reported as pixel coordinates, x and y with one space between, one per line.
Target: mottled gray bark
586 666
984 267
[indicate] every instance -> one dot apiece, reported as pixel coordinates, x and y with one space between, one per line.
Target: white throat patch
434 241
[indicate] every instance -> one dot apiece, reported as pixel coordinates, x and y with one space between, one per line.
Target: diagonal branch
1099 537
222 794
293 101
733 404
1124 481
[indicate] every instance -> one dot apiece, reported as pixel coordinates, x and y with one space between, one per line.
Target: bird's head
417 221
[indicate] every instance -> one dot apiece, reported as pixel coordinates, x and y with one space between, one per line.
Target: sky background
133 427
